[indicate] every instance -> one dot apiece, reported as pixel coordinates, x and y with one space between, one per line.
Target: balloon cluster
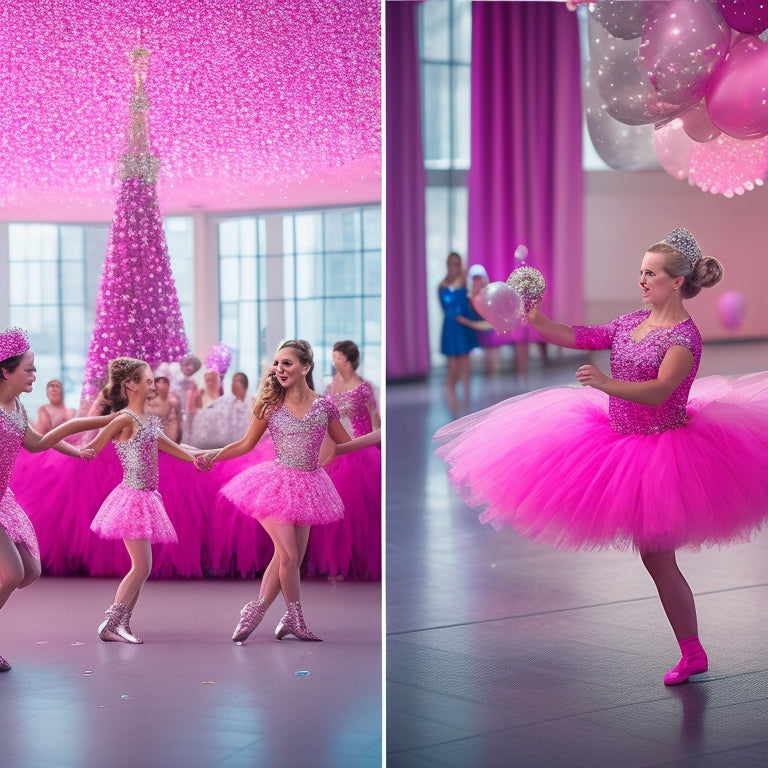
681 83
506 305
219 358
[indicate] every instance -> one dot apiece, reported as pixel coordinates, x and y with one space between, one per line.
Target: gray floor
189 696
505 653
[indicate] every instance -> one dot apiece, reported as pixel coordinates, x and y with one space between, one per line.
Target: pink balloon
697 124
500 306
673 149
749 16
737 93
728 166
683 43
731 309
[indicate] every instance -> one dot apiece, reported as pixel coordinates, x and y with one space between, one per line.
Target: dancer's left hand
589 376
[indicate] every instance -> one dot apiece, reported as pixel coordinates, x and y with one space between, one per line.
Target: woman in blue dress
459 335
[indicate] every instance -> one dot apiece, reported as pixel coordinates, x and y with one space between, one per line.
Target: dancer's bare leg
675 594
140 552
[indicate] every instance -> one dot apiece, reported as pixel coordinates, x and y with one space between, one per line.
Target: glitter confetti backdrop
254 103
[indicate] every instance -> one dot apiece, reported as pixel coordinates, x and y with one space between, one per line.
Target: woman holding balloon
459 333
643 458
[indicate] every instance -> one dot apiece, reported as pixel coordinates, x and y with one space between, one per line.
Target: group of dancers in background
287 492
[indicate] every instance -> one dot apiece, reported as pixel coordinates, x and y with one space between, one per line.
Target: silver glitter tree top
139 162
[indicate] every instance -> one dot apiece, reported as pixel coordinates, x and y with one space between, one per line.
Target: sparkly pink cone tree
137 309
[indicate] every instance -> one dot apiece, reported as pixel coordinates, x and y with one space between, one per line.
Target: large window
445 41
310 274
54 272
314 275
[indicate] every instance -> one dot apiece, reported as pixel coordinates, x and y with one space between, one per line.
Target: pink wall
626 212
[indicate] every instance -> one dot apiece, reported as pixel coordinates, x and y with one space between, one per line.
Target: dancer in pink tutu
353 396
133 511
19 553
351 547
291 493
645 458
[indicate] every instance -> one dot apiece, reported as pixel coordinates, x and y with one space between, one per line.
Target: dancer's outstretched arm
183 452
257 427
34 442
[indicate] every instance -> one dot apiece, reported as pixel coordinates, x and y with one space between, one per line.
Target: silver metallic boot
293 623
251 615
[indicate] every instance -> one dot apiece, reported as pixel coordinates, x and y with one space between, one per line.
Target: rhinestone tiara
682 240
13 342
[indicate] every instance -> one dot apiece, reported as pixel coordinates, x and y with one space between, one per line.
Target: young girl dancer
293 492
133 511
633 461
19 553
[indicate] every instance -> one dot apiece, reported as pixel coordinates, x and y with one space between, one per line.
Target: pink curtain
406 286
525 178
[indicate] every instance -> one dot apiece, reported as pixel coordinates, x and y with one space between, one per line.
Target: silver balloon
622 18
627 92
622 147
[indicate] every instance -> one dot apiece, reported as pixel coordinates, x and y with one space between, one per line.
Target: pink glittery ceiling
254 103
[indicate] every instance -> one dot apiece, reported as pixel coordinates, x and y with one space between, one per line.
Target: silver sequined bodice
138 455
298 441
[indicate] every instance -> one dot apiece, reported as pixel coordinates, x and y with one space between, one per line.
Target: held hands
589 376
86 453
204 461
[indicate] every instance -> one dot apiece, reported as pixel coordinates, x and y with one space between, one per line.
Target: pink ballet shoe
687 666
109 629
251 615
4 665
292 623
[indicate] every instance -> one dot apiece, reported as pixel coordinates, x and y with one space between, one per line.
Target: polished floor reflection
505 653
189 696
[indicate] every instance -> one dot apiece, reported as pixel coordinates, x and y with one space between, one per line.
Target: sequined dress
577 469
351 547
13 427
134 510
293 488
456 338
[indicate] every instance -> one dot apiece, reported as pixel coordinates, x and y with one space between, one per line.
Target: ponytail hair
121 371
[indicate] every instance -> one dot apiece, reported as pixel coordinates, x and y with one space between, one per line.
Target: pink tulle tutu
16 524
285 493
130 513
64 494
237 545
351 547
549 465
